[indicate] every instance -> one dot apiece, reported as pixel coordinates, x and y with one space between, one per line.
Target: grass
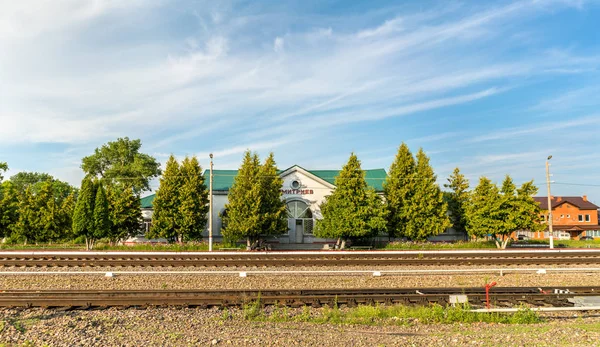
203 246
389 315
408 245
173 247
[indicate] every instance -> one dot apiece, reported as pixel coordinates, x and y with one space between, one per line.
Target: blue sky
490 87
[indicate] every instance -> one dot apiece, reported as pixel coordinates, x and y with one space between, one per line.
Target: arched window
298 209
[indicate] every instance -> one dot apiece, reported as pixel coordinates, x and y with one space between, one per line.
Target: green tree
398 189
67 208
166 218
32 180
121 163
244 203
193 200
426 210
83 216
101 215
273 215
28 221
125 214
353 210
3 168
9 208
48 220
518 211
457 199
483 210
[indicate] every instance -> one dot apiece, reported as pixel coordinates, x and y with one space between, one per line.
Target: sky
491 87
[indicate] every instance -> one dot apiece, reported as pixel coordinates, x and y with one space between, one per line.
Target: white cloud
278 44
388 27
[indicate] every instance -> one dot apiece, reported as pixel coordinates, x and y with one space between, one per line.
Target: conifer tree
9 208
125 213
398 189
273 210
166 221
482 211
101 215
427 212
457 199
193 200
244 203
83 216
353 210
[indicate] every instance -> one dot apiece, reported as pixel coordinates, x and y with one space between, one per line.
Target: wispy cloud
530 129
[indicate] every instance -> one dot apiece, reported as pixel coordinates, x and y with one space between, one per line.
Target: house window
562 216
568 216
581 218
587 217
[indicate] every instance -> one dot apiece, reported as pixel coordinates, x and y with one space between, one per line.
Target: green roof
146 201
223 180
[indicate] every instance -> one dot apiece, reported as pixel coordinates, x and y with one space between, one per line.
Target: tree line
412 205
36 207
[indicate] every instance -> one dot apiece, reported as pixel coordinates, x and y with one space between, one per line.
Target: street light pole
549 202
210 206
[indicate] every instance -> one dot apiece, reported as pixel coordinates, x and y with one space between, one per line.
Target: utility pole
549 202
210 206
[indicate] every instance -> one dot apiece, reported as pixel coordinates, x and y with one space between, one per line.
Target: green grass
390 315
174 247
408 245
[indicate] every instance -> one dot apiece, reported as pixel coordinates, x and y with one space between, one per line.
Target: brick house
573 218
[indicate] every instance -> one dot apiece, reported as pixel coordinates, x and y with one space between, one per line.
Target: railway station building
303 191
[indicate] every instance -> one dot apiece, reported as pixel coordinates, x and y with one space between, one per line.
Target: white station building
303 191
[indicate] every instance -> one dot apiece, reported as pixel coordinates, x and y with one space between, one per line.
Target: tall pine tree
353 210
166 220
398 189
427 211
457 199
193 200
83 216
101 215
244 203
272 210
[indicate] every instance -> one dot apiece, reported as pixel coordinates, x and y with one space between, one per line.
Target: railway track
281 259
499 297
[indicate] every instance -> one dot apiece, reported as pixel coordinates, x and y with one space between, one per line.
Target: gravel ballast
197 327
195 281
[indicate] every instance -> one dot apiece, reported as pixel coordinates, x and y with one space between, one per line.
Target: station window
581 218
562 216
568 216
587 217
543 218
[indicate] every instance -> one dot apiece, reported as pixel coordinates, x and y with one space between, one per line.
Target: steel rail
504 297
290 259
